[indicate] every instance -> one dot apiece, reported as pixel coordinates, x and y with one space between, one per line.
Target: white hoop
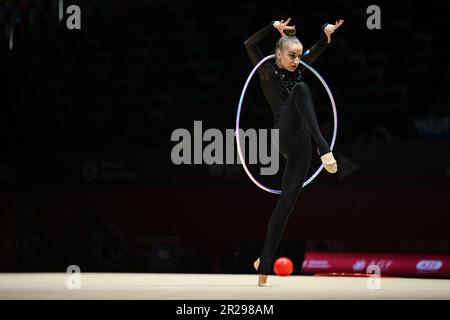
241 157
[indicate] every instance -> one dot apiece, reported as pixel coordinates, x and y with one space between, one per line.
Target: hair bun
290 32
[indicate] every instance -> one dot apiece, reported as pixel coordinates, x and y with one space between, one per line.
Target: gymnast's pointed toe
264 284
262 281
329 163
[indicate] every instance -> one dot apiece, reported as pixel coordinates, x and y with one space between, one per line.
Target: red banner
392 264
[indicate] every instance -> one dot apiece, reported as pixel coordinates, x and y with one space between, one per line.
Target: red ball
283 266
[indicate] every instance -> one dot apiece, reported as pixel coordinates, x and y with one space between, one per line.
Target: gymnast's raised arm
316 50
251 44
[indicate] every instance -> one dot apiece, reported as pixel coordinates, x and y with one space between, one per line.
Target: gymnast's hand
281 26
330 28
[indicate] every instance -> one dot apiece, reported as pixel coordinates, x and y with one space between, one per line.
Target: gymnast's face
289 57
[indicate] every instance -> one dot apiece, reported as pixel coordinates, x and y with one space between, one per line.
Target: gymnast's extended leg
294 175
297 123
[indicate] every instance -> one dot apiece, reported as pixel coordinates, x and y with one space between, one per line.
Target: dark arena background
88 182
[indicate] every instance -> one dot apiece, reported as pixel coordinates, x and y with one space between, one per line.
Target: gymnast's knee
301 88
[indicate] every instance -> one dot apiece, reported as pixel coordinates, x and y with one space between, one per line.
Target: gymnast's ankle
262 278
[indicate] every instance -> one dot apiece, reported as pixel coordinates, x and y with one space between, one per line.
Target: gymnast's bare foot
262 280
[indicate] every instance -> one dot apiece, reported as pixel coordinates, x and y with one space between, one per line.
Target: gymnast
294 116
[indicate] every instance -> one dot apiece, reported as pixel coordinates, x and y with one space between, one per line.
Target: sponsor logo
429 265
384 265
359 265
317 264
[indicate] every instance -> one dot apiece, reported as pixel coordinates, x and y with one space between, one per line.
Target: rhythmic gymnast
293 110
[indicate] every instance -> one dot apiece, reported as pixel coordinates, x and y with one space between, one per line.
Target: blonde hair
281 43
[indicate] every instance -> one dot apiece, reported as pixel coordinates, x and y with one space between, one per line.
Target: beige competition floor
154 286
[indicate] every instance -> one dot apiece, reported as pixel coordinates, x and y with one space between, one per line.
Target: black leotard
294 115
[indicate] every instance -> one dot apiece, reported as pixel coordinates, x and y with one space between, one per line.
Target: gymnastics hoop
333 105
